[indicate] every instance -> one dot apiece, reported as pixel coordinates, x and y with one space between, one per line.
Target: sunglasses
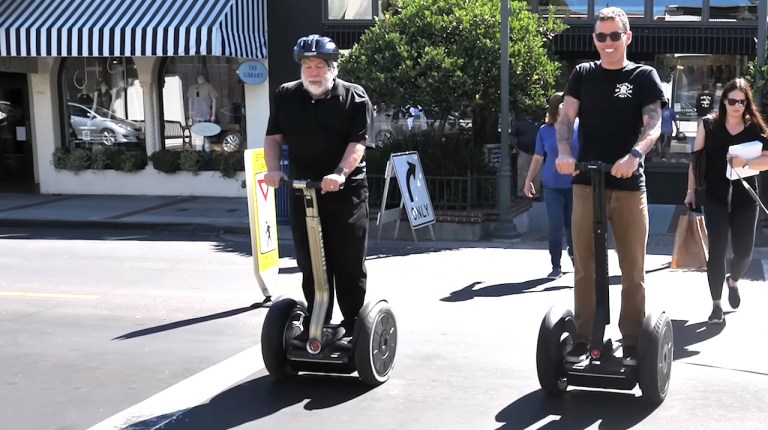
734 102
614 36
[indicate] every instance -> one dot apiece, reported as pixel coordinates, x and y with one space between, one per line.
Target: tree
443 55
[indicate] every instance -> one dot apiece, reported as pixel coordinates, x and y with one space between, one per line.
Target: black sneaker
716 317
734 298
629 355
578 353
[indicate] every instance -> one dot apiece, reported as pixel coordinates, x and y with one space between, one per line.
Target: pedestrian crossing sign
263 220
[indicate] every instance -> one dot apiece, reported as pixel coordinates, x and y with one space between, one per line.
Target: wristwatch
340 171
636 153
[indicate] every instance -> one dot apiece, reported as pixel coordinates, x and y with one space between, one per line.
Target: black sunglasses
734 102
615 36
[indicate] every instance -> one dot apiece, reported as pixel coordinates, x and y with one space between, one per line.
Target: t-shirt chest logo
623 90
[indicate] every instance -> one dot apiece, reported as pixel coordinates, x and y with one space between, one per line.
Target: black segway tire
556 328
375 343
655 356
274 337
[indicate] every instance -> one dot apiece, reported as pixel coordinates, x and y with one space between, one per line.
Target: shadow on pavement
687 335
499 290
577 409
262 397
187 322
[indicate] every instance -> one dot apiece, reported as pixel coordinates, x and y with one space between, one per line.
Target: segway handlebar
590 166
301 183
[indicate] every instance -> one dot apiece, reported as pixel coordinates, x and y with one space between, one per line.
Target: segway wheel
655 357
558 329
376 343
275 335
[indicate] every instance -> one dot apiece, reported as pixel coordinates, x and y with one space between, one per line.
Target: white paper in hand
747 151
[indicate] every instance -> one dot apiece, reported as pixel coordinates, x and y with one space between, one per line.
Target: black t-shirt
524 131
610 115
717 139
704 104
318 132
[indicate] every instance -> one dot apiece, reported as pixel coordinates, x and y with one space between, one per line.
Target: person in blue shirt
668 116
558 188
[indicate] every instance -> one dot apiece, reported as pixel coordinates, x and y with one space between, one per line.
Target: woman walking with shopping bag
728 206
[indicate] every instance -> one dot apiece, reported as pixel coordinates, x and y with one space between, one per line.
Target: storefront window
103 103
732 10
635 9
565 9
697 84
208 92
359 10
677 10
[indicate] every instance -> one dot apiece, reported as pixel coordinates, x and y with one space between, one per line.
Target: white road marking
49 295
177 399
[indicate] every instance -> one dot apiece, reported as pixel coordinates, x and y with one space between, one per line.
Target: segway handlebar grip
591 166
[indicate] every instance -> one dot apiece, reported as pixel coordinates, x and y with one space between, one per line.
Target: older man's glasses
615 36
734 102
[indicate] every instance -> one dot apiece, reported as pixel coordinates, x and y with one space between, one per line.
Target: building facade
138 76
697 46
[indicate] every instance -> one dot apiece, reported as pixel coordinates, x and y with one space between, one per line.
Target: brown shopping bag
691 250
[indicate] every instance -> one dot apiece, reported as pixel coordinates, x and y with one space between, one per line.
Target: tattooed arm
564 125
651 127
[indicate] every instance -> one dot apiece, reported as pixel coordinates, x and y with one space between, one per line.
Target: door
16 158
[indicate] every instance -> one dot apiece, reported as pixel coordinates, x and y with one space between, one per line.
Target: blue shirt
668 115
546 146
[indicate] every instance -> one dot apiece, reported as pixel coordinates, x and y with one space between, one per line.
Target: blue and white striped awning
101 28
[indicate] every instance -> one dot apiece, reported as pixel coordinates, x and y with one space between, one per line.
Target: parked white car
103 126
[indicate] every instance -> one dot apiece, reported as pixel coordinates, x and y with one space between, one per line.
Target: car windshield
100 111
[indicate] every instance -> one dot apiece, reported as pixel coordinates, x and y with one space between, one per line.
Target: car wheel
109 137
231 141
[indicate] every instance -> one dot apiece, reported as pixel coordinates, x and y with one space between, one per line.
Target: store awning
99 28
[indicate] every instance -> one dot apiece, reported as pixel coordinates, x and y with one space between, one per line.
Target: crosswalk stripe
168 404
49 295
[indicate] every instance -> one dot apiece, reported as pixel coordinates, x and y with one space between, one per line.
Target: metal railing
446 192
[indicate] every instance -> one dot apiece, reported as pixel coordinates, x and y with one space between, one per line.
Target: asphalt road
144 330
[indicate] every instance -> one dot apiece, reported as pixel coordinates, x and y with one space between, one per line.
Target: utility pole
762 22
505 228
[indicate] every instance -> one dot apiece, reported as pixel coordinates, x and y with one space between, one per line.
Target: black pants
344 220
741 223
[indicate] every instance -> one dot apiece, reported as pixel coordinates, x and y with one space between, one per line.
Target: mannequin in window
84 98
102 97
202 102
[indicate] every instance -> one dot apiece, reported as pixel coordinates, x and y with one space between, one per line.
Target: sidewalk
177 213
194 214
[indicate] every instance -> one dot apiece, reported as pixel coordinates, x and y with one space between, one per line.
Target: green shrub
131 161
166 161
190 161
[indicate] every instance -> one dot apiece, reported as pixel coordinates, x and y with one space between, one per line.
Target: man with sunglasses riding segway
324 121
618 106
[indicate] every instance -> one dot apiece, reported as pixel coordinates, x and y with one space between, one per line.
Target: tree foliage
443 55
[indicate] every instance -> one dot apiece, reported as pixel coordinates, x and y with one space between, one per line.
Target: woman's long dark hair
751 112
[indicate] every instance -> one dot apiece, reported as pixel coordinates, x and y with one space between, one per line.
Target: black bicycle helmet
317 46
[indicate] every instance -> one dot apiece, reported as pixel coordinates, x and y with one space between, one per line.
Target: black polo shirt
318 132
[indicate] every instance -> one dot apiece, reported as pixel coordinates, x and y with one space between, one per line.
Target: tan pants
628 213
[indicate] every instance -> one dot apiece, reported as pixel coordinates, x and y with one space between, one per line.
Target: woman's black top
716 143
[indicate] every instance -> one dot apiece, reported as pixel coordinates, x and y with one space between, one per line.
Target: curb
125 225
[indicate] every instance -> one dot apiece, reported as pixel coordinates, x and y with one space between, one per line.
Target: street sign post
406 168
263 221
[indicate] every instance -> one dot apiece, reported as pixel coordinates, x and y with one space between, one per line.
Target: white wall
257 112
46 137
